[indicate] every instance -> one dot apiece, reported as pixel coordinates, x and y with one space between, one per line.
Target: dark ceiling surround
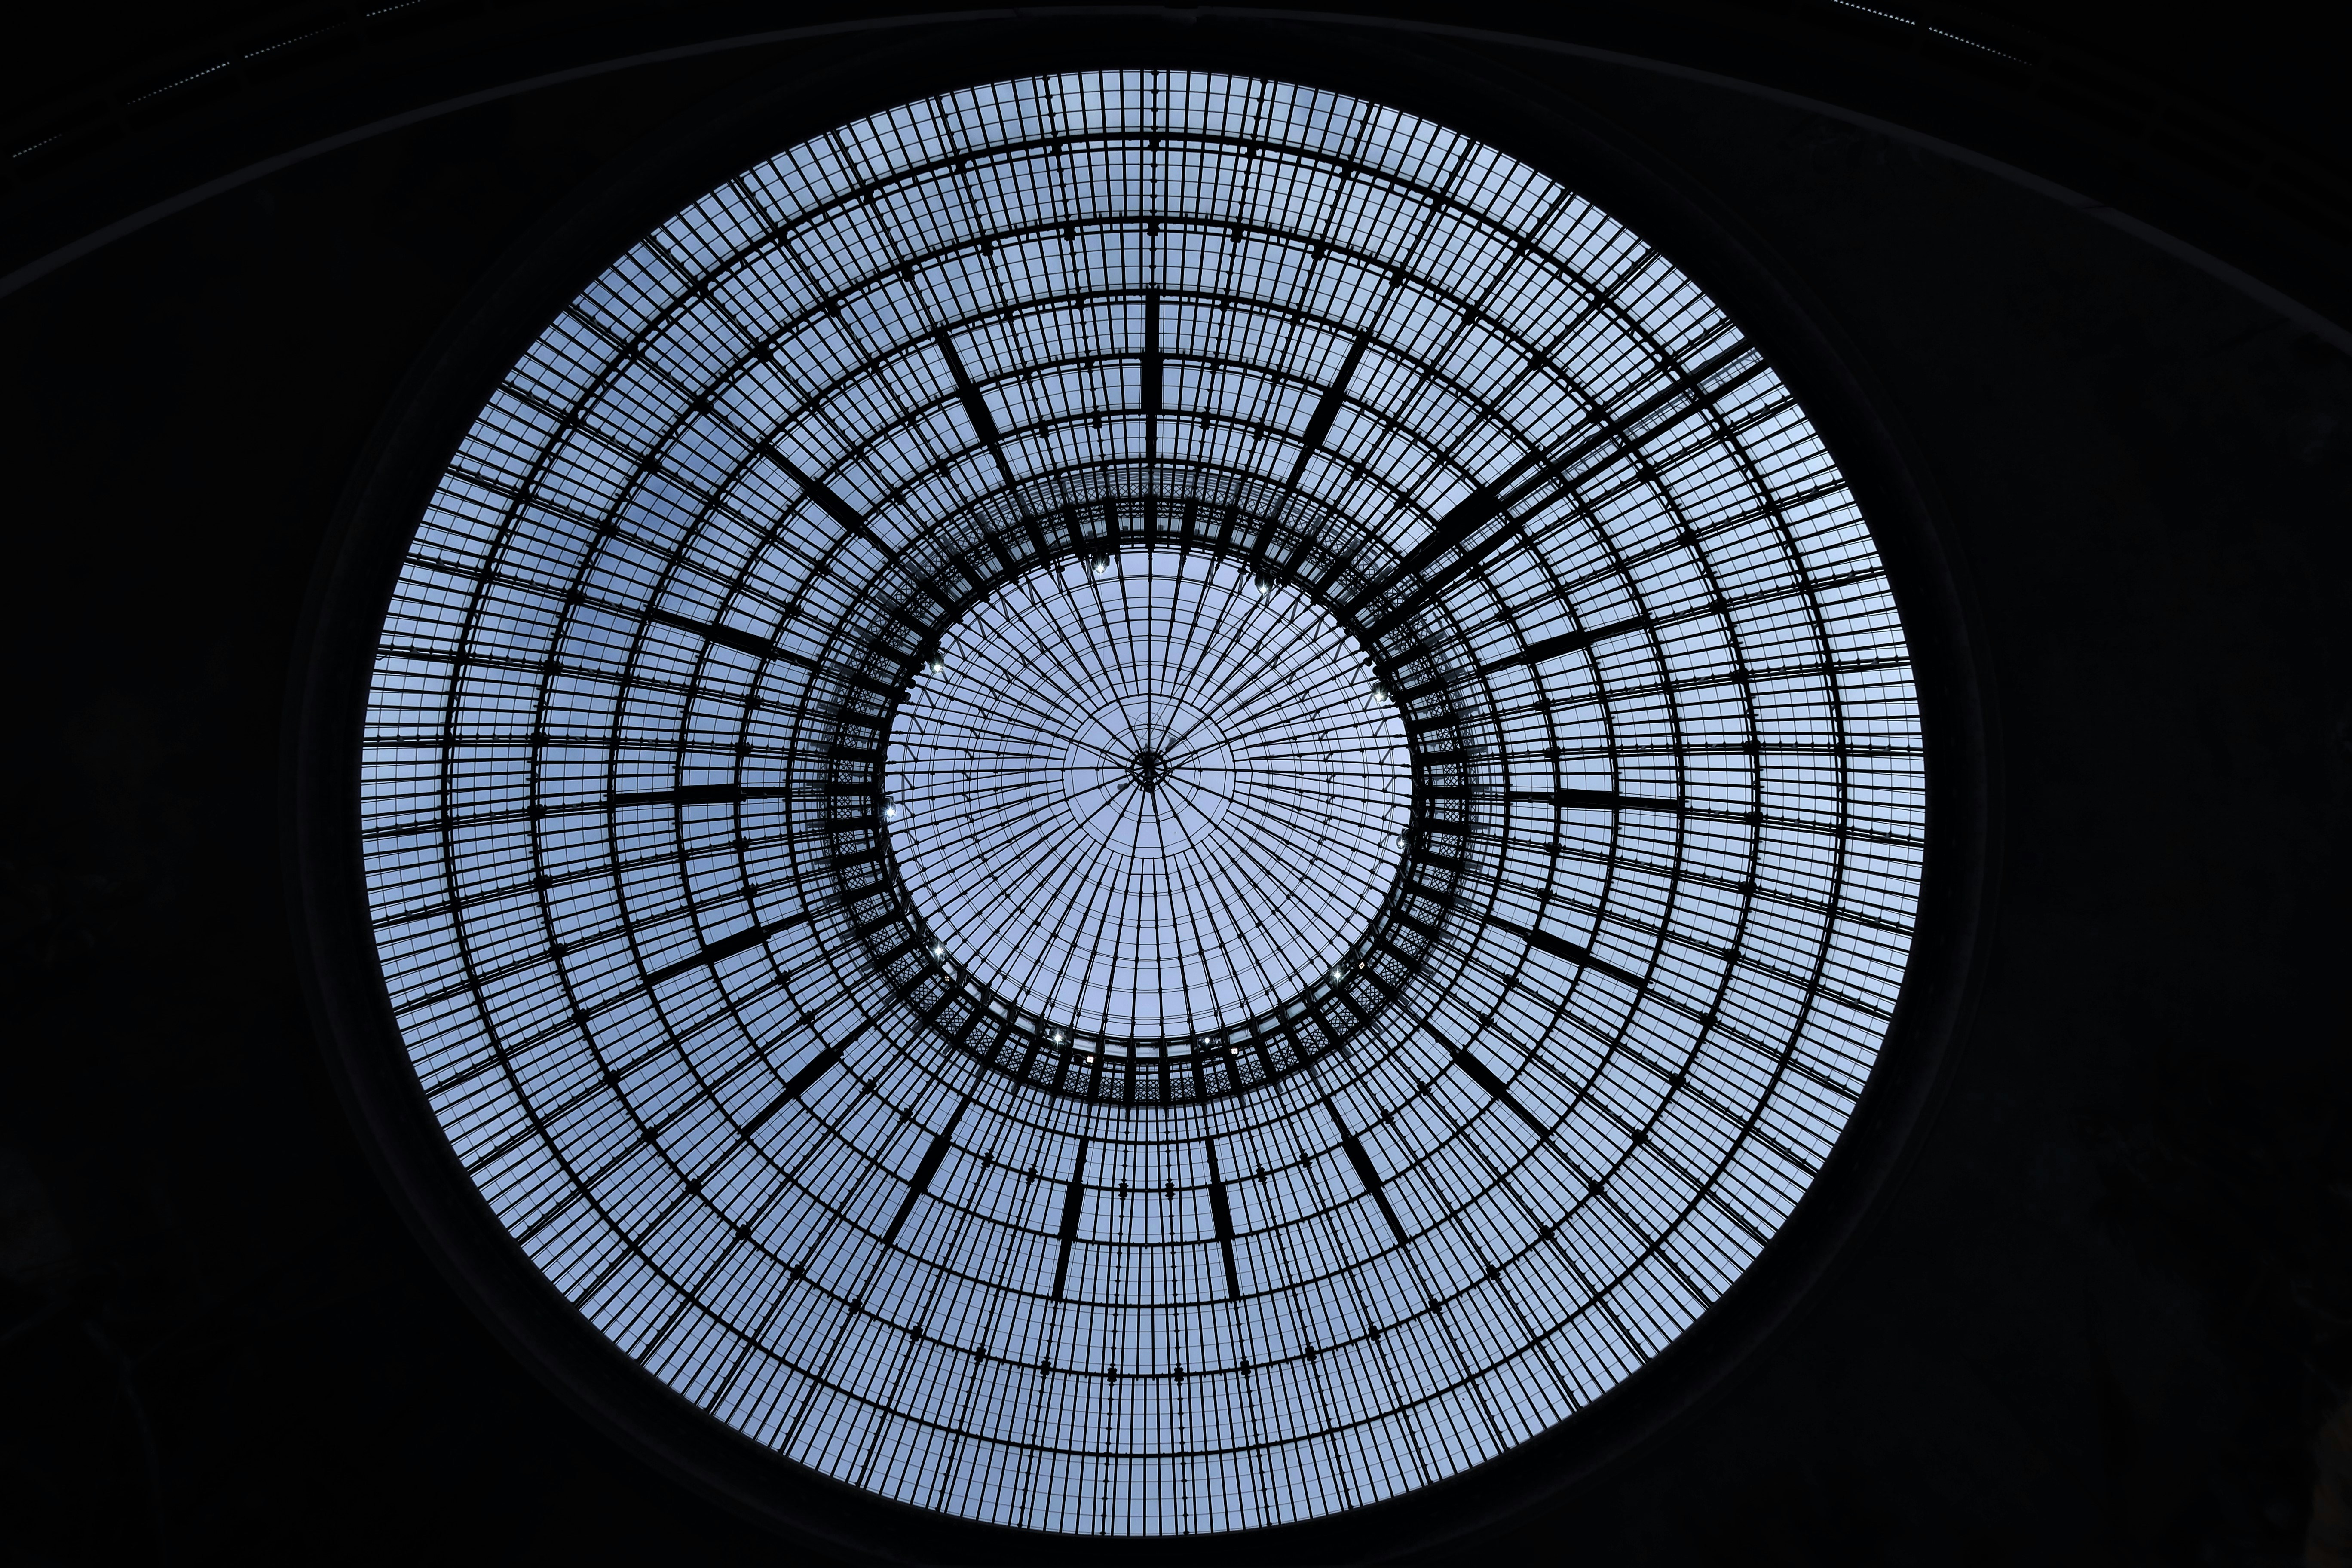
2100 1314
2084 106
1508 110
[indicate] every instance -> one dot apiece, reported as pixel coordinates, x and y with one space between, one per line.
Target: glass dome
1144 796
1142 803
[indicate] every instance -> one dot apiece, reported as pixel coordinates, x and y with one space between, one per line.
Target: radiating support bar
921 1180
800 1083
725 947
1560 947
1482 1074
1463 518
703 795
1221 1210
726 636
827 501
1535 653
1573 642
975 408
1596 800
1327 409
1365 1172
1738 365
1073 1203
1155 364
1430 586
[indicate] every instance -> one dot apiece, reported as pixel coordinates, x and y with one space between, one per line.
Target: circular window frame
1229 1056
1467 92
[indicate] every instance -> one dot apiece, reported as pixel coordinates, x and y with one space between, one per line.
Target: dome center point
1149 769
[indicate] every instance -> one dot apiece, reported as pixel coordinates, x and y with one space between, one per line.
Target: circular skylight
1142 804
1145 797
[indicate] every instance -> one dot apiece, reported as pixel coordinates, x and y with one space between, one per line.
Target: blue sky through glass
1040 838
1543 1114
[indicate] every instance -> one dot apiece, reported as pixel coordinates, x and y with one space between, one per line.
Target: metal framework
1142 803
1148 800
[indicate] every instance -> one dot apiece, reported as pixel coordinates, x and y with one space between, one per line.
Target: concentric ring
762 1093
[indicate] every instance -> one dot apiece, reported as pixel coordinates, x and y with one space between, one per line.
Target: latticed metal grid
1149 795
773 1091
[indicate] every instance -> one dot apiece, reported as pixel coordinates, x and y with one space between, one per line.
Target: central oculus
1148 796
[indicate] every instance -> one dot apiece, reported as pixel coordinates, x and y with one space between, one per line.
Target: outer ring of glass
1521 118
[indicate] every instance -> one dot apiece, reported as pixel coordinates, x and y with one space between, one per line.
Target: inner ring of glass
1146 796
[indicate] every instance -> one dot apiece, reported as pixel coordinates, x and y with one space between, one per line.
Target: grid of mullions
1697 841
